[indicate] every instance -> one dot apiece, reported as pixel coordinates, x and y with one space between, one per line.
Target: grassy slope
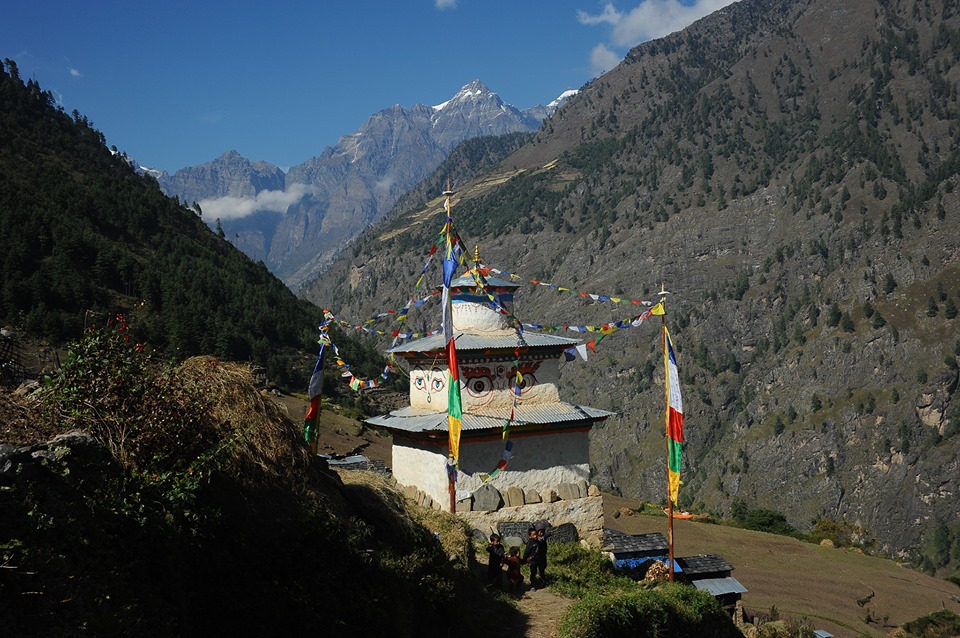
802 579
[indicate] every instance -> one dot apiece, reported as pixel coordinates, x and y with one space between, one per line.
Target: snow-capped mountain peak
566 95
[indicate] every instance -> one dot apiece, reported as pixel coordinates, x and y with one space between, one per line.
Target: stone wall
576 504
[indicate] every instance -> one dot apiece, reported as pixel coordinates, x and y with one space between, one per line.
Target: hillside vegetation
180 501
789 170
83 237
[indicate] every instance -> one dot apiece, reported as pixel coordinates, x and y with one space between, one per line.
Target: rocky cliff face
230 175
789 170
330 198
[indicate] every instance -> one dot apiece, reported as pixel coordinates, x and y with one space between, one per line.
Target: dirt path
542 610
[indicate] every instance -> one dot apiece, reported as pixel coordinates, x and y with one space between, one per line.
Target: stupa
548 438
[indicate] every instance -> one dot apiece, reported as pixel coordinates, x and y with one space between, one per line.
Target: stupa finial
476 254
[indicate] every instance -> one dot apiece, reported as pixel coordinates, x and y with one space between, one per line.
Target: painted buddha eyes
479 386
429 382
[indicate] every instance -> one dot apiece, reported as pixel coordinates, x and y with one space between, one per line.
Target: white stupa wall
485 384
538 462
479 318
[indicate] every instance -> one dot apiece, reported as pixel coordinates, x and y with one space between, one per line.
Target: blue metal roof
633 563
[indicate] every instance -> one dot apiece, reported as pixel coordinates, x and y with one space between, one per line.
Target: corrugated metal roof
413 420
720 586
822 633
466 341
468 281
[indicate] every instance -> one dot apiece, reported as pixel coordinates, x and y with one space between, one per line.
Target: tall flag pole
673 421
311 422
454 405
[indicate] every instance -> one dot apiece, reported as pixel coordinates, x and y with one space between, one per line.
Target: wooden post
666 430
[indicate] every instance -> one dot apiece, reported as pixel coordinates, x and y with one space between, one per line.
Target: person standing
530 554
540 560
495 562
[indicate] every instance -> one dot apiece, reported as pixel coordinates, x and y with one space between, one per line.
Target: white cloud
648 20
445 4
603 59
225 208
384 184
657 18
74 73
609 15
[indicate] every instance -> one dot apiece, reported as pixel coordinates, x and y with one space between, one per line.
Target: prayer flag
311 422
454 405
674 418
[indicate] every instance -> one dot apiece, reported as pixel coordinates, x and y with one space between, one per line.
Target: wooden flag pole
452 468
666 431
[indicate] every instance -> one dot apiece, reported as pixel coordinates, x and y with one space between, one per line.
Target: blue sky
175 84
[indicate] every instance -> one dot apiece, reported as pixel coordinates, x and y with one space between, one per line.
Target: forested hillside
83 237
789 170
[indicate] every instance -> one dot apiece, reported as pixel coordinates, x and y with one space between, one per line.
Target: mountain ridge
328 198
789 169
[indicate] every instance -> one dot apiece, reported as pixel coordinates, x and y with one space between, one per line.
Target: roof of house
617 542
822 633
720 586
466 341
410 419
467 280
704 564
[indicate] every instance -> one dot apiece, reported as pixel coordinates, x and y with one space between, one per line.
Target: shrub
943 623
669 610
575 570
135 406
764 520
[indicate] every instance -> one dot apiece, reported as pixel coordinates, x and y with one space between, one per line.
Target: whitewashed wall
538 462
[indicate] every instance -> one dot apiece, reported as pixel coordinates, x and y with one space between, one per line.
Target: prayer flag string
586 295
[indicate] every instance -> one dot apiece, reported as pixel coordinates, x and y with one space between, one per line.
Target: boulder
513 497
465 504
487 498
568 491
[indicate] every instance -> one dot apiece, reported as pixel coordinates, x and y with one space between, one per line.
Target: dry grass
805 580
20 423
255 425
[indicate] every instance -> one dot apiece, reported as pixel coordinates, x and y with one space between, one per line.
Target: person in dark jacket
540 560
495 564
530 554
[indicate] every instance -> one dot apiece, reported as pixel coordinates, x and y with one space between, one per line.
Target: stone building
548 437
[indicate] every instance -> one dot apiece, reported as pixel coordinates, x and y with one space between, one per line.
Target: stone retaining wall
486 509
